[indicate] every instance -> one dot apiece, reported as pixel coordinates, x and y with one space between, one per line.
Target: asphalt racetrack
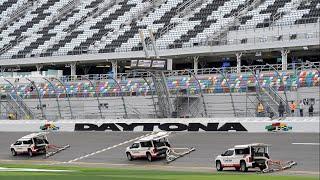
300 147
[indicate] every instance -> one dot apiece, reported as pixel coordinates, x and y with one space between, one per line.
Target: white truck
149 147
31 144
242 157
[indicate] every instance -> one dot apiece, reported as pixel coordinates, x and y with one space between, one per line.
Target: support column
114 64
2 70
73 67
284 59
143 44
153 42
169 64
195 64
238 55
39 67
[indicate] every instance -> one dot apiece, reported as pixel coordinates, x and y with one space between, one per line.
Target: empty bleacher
231 94
71 27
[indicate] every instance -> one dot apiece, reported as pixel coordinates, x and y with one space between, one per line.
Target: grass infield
80 173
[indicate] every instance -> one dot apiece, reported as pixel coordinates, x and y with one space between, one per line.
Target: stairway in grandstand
163 94
14 105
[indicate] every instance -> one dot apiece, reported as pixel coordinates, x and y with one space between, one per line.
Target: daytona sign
160 126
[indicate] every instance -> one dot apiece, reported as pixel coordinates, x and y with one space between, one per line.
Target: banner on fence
310 125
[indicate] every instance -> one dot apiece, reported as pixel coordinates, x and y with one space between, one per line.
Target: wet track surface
208 146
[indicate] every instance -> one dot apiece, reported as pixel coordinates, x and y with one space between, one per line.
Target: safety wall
294 124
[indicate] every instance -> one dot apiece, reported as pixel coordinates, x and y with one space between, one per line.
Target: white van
31 144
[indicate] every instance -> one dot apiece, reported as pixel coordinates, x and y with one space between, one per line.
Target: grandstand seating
67 27
214 83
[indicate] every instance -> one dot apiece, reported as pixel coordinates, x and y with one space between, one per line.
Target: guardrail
185 72
204 71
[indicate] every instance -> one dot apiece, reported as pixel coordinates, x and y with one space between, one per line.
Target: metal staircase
181 8
7 47
101 8
279 15
15 106
66 9
164 101
270 96
181 11
270 99
252 100
18 13
162 32
188 106
223 31
188 7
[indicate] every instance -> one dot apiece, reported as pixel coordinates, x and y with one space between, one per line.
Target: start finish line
296 124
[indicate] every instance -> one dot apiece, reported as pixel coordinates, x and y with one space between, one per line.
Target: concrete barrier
293 124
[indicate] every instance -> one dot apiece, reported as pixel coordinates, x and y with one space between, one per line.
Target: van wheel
219 166
129 156
149 157
13 152
243 166
30 152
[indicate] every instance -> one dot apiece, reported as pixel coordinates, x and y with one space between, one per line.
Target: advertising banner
310 125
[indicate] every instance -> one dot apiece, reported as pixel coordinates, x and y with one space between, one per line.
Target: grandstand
218 55
212 93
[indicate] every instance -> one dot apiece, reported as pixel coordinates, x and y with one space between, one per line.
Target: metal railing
204 71
271 24
121 110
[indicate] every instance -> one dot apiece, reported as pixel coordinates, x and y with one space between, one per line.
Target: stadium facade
217 52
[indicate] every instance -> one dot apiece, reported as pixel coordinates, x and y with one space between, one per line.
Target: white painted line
106 149
313 144
31 170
